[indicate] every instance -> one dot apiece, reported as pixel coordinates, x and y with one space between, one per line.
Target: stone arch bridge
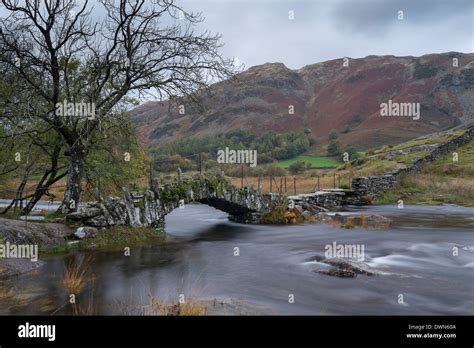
245 204
150 207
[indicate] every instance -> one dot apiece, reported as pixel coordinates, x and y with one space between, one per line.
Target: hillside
326 96
388 158
441 182
444 181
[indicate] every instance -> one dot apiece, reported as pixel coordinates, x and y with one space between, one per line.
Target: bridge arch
151 207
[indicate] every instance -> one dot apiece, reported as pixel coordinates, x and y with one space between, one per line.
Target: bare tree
72 59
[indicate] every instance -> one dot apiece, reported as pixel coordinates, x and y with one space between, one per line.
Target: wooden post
334 180
338 181
318 183
281 186
200 164
271 179
180 176
285 186
242 178
258 184
100 192
151 177
294 184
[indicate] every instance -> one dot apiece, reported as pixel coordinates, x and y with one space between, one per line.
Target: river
271 273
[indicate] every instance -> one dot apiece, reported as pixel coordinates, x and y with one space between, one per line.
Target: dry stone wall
375 186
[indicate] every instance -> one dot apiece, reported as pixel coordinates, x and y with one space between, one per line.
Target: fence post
258 184
334 180
285 186
271 179
242 177
281 186
150 183
318 184
200 164
338 181
99 188
294 184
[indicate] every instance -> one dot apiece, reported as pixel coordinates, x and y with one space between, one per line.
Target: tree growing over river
81 65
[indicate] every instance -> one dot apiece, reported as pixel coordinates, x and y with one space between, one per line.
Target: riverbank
55 238
17 232
207 257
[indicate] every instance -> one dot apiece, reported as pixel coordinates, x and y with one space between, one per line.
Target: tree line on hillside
269 146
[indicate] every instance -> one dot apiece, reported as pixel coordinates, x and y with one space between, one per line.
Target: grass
6 293
410 157
121 236
388 198
8 188
11 214
280 215
420 141
375 166
380 161
112 239
315 161
441 182
156 307
276 216
52 215
75 277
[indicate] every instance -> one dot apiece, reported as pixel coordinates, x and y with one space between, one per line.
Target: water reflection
198 261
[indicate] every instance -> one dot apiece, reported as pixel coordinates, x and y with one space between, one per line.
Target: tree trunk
40 192
72 195
49 178
32 202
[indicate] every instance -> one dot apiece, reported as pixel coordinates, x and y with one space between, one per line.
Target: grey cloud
369 15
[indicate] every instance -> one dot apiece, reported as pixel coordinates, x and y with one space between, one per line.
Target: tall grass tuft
156 307
75 276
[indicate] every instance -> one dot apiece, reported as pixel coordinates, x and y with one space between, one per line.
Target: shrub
297 167
368 200
334 148
273 170
332 135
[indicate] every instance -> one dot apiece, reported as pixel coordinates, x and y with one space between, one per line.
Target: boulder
86 232
85 212
32 218
361 220
299 208
357 268
337 272
342 268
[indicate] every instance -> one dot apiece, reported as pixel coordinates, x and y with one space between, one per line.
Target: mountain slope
326 96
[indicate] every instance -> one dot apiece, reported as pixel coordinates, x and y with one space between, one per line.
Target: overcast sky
260 31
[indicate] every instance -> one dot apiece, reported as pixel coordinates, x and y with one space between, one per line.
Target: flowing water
414 258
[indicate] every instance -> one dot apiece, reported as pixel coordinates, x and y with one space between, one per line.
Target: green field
316 162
